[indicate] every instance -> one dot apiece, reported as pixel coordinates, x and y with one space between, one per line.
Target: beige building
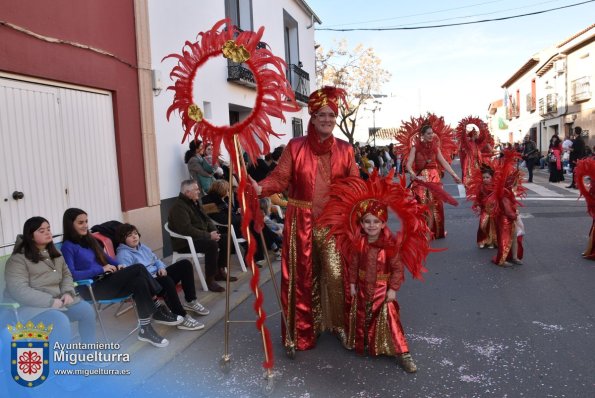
549 94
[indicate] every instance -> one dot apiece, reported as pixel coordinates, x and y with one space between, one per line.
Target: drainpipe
311 22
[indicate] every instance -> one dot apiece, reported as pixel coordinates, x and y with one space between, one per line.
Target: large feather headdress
351 196
409 132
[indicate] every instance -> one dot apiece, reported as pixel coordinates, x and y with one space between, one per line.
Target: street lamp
373 110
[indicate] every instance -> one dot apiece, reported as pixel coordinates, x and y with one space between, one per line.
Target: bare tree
358 71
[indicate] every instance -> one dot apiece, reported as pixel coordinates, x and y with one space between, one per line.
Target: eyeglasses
326 115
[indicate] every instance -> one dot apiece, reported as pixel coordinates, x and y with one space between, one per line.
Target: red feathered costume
376 267
507 188
478 192
585 168
312 289
426 165
475 145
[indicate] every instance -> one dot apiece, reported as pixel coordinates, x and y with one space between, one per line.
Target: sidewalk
145 359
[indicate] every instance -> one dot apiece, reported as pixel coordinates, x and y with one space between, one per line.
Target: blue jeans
81 312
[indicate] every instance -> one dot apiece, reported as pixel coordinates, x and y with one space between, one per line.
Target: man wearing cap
312 287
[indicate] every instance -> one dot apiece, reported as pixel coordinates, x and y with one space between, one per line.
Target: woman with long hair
86 259
555 159
38 278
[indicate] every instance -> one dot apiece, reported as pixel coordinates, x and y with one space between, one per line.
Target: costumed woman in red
584 172
425 157
480 186
475 145
509 229
357 214
312 289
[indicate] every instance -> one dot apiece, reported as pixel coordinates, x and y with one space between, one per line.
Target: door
31 178
57 151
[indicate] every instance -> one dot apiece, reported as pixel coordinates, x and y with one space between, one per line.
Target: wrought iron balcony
240 74
581 89
300 83
548 105
530 103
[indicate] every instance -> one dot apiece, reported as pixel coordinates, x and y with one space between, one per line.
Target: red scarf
319 148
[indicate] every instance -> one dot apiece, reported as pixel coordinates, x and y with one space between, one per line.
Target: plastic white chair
193 255
236 244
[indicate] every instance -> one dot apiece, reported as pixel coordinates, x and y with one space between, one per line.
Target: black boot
214 287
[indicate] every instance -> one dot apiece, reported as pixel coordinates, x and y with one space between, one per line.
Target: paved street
475 330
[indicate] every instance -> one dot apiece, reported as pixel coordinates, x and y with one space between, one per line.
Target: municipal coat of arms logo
30 353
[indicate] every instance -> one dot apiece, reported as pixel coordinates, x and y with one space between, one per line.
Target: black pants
215 254
530 163
180 271
135 280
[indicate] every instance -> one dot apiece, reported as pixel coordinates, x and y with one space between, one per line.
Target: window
240 13
296 126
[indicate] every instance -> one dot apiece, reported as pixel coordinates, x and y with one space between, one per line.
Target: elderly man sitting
187 217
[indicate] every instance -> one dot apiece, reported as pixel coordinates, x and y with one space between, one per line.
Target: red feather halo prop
409 131
273 96
273 93
586 168
507 181
340 216
484 137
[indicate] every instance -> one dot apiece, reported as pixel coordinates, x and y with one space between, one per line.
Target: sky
453 71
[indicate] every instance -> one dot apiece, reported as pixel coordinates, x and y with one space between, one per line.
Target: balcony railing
239 73
548 105
300 83
531 103
581 89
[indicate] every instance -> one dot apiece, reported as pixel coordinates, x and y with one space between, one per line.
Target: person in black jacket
577 151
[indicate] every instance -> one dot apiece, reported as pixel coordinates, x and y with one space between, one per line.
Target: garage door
57 151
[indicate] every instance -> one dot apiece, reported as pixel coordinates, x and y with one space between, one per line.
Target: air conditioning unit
560 66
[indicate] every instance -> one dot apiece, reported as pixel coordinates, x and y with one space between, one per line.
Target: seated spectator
38 278
187 217
86 259
208 157
200 170
272 231
280 200
218 199
131 251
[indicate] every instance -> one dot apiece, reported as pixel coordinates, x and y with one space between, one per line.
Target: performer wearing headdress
312 289
584 172
424 162
480 186
357 214
475 145
507 187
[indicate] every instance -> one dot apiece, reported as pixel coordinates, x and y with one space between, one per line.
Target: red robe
312 286
426 164
589 253
374 324
486 232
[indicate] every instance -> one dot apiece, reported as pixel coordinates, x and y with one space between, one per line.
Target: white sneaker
197 307
190 324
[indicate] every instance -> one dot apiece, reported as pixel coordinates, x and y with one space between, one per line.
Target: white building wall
170 27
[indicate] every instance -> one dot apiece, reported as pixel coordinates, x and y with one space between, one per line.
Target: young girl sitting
357 214
132 251
273 231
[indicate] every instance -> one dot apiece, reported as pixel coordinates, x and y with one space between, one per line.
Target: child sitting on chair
131 251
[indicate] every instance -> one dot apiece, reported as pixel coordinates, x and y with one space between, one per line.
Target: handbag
552 158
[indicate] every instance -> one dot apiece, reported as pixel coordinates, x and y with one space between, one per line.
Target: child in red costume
357 214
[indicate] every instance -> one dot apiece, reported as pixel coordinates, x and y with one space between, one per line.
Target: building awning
523 69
